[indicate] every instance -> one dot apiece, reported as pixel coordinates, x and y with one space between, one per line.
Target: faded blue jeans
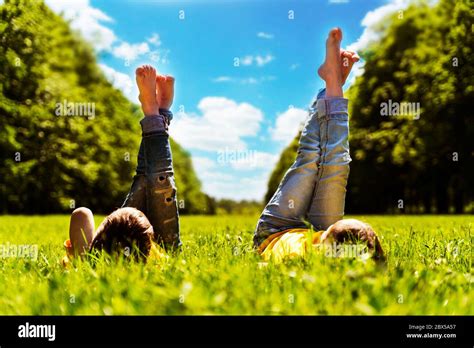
314 188
153 189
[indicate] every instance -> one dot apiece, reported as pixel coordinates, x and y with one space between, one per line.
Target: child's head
352 231
127 232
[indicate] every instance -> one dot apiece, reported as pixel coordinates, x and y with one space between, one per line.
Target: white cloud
203 164
254 160
294 66
222 124
91 23
258 60
247 60
219 183
263 35
249 81
154 40
121 81
371 33
243 80
217 136
236 187
130 51
87 20
222 79
288 124
261 61
371 19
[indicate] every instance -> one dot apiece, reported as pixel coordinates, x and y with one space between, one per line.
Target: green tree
423 163
51 163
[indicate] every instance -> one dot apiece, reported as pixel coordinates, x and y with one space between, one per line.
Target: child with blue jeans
148 222
314 188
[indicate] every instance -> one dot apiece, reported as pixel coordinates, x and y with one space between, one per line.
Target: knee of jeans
262 231
335 173
264 224
339 158
165 184
307 155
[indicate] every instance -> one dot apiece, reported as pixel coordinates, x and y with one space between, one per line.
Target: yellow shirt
288 243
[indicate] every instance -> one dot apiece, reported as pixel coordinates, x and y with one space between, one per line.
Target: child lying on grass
149 217
315 185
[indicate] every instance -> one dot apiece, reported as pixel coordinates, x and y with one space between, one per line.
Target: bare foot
348 59
146 82
330 70
164 91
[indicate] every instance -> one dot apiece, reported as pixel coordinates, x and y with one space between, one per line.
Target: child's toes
160 81
353 56
169 80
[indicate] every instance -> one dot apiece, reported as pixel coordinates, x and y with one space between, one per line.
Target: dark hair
127 232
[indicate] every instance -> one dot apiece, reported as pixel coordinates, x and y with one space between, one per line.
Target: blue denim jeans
153 189
314 188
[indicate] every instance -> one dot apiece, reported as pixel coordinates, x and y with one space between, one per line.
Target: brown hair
126 231
351 231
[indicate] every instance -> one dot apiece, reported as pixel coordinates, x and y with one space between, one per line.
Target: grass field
429 271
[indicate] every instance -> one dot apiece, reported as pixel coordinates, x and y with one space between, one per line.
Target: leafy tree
52 163
405 163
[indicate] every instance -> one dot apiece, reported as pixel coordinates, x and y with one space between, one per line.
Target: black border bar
226 330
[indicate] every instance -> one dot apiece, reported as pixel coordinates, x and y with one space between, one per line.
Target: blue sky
245 70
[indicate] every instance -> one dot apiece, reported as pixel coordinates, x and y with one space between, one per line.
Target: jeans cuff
167 113
321 93
332 105
154 123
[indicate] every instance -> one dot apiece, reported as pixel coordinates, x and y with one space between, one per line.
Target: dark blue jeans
153 189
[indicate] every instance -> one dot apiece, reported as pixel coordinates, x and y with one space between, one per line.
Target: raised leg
314 186
328 196
327 203
288 206
154 190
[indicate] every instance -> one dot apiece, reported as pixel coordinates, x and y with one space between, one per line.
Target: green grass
429 271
